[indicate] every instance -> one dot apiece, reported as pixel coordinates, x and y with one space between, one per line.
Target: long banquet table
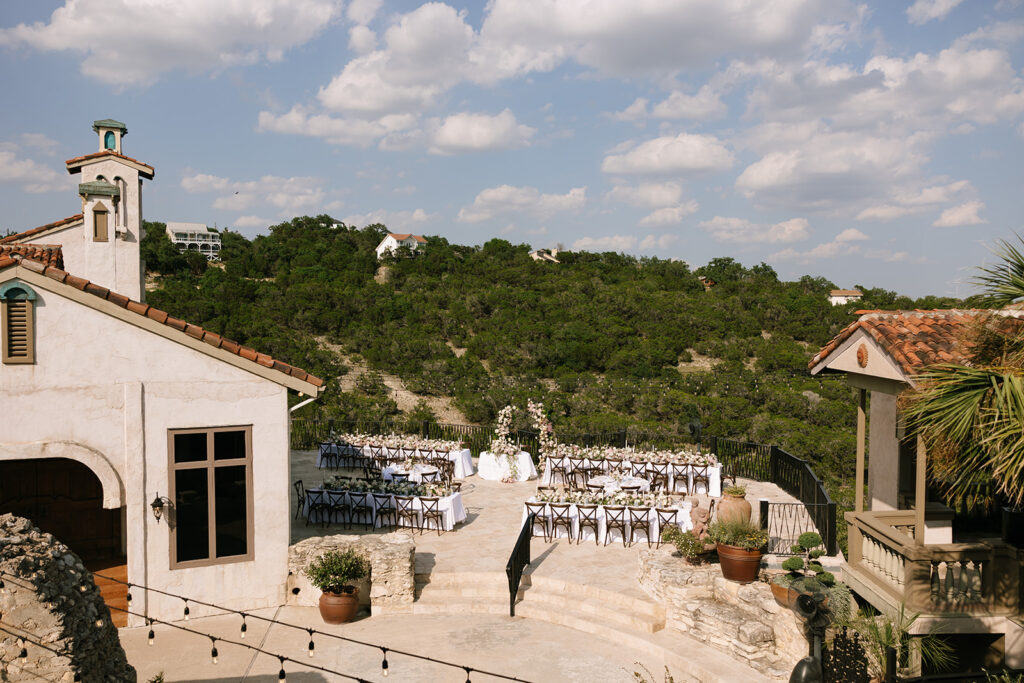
451 507
496 468
463 459
683 519
714 474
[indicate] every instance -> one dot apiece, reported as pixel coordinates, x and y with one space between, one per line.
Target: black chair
701 476
540 510
338 506
614 518
560 519
408 515
431 510
359 507
639 520
317 508
666 517
588 520
386 510
300 494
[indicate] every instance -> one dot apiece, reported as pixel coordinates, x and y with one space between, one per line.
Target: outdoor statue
701 517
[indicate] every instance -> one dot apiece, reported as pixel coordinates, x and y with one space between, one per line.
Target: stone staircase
633 622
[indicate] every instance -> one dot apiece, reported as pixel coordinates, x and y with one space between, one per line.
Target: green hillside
609 342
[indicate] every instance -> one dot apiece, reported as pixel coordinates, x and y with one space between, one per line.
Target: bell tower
110 132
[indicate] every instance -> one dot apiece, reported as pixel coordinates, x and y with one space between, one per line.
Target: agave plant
972 416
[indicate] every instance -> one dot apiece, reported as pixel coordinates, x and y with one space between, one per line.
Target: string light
129 596
151 634
384 663
280 674
24 651
213 649
186 608
243 626
467 673
311 645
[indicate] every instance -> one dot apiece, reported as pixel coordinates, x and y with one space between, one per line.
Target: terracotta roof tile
107 153
8 259
17 237
914 339
47 254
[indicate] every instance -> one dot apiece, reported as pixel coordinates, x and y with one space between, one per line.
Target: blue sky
877 143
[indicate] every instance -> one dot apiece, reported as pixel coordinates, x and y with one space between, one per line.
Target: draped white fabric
496 467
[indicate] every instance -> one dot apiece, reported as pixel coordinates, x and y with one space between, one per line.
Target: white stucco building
110 404
395 240
194 236
840 297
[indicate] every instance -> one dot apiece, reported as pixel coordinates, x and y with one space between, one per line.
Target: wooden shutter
18 342
99 225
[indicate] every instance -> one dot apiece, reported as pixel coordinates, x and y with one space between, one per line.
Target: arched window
99 223
17 312
109 140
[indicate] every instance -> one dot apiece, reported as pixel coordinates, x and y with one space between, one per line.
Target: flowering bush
739 533
688 545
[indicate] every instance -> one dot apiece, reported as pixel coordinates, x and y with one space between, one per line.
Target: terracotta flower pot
339 608
784 596
738 564
733 508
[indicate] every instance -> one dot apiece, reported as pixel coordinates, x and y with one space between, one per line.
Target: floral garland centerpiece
502 444
545 434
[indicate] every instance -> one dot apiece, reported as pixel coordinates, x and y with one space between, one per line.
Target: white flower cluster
648 500
502 444
688 457
406 441
545 431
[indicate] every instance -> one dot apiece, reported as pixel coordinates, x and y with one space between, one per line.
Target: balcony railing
980 579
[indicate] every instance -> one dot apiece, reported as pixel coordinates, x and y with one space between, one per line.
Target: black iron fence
739 459
518 561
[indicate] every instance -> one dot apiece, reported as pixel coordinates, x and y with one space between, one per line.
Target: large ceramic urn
733 508
339 608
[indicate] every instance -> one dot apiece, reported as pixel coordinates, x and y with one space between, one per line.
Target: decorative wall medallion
862 355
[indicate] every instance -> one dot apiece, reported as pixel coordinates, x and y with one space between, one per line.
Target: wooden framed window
99 223
17 324
211 488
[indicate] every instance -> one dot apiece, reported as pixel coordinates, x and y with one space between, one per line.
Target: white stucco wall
116 389
389 243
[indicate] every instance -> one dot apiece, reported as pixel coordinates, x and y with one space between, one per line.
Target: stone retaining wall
740 620
50 602
392 566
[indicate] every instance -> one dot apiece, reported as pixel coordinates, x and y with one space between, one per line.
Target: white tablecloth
495 467
714 476
612 486
451 507
463 459
416 476
683 519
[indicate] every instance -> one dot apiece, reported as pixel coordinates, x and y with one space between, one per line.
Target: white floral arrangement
545 433
408 442
680 457
647 500
502 444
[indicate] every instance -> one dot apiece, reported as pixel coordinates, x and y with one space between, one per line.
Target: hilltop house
545 255
195 237
838 297
114 410
904 547
394 240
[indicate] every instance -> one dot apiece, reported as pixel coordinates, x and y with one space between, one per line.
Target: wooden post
861 433
920 492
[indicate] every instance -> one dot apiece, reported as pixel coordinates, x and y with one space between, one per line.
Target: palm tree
972 415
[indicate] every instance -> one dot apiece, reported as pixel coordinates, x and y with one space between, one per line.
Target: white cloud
336 131
843 244
362 40
682 154
923 11
670 215
609 243
468 132
29 174
362 11
40 142
652 242
128 42
508 199
914 201
395 220
634 112
252 222
743 231
647 195
705 104
291 195
957 216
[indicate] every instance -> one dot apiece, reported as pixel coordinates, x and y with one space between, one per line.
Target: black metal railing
518 561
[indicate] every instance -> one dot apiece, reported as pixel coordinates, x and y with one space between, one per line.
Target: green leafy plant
738 491
745 535
159 678
688 545
808 549
879 632
335 570
1003 677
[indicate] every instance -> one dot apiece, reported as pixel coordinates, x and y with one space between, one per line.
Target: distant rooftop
845 292
187 227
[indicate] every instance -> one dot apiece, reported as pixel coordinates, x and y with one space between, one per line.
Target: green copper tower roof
99 187
109 123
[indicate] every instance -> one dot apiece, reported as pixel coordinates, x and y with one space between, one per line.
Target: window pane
189 447
228 445
232 529
192 517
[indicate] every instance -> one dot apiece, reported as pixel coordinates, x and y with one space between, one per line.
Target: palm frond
1003 283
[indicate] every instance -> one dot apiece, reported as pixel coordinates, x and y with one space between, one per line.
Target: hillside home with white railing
392 241
195 237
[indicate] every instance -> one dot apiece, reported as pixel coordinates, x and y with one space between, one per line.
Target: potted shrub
740 547
733 505
333 573
804 563
689 546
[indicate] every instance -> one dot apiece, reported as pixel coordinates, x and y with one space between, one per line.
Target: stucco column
920 492
861 434
135 496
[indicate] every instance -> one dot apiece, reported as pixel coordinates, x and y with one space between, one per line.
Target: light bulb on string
384 662
280 674
128 597
312 646
213 649
244 627
151 634
186 610
467 673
